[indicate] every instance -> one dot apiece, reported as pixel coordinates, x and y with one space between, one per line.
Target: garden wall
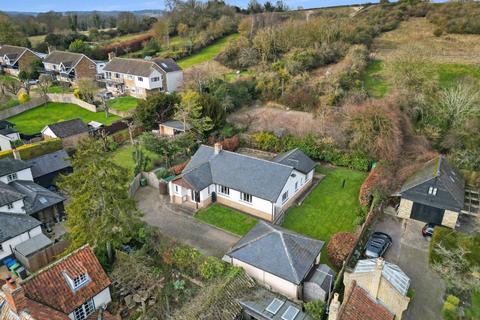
70 98
13 111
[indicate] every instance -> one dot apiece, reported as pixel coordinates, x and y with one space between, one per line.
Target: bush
315 309
211 268
340 246
450 308
437 32
179 167
186 259
23 97
231 144
33 150
76 93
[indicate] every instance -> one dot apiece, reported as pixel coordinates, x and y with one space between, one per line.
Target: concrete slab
180 225
410 252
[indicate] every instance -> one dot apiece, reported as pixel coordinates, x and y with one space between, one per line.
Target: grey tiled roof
391 272
278 251
36 197
8 194
6 131
297 159
5 124
139 67
168 64
68 128
449 181
176 125
8 165
14 224
33 245
260 178
12 52
50 162
323 275
67 58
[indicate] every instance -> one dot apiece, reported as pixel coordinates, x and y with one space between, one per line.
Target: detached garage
434 194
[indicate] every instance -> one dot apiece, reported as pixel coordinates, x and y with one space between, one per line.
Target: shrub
33 150
231 144
437 32
179 167
340 246
450 308
23 97
370 184
315 309
211 268
186 259
76 93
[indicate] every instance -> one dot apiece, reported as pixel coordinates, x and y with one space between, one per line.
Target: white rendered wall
13 242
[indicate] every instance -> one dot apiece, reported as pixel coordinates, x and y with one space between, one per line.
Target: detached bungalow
262 188
139 78
70 66
70 131
15 59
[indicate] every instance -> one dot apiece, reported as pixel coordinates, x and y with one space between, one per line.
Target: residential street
410 253
182 226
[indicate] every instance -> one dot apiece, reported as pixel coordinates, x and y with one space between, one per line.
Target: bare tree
44 82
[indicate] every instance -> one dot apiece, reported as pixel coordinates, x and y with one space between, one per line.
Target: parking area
178 224
410 252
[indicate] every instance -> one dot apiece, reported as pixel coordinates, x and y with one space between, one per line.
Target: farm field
34 120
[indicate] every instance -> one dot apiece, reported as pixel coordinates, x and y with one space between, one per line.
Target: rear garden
123 156
124 103
34 120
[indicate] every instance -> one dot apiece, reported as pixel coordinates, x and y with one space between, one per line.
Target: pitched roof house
277 258
70 131
15 59
137 77
75 287
8 134
47 167
435 193
16 228
69 66
373 287
259 187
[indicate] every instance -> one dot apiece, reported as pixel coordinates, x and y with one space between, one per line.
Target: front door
195 196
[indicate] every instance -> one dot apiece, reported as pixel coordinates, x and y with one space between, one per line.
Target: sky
129 5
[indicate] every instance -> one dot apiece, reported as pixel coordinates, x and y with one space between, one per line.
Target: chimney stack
111 55
218 147
51 49
16 154
14 295
334 307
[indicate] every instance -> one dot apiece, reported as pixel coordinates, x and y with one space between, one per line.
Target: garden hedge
33 150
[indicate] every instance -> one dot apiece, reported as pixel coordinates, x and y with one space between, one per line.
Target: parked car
427 230
377 245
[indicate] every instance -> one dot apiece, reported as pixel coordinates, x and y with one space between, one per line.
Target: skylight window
290 314
274 306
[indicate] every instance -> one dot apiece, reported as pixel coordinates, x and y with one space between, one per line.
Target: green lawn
59 89
34 120
207 53
226 218
124 158
123 103
330 208
375 84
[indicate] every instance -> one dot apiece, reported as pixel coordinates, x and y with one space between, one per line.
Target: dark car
377 245
427 230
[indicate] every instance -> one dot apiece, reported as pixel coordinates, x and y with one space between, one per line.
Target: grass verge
227 219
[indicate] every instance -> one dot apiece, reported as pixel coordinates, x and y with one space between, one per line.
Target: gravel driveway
410 253
181 226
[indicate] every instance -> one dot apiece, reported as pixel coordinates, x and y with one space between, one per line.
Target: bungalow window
10 206
224 190
285 196
1 247
432 191
108 74
296 186
12 176
246 197
130 77
155 79
80 281
86 309
176 189
117 75
140 79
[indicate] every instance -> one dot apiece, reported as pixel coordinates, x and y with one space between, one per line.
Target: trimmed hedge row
33 150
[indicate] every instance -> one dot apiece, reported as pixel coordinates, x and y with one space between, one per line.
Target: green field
227 219
123 156
34 120
330 208
123 103
207 53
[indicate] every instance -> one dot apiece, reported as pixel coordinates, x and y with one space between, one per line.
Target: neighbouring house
262 188
15 59
16 228
173 127
20 195
73 288
435 193
279 259
374 284
47 167
139 78
70 131
69 66
8 135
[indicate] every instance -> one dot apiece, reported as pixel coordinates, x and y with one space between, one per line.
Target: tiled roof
168 64
297 159
50 162
67 58
8 165
360 306
49 286
68 128
14 224
34 311
9 194
36 197
278 251
139 67
12 52
175 124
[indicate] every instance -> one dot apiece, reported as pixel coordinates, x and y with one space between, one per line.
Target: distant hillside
148 13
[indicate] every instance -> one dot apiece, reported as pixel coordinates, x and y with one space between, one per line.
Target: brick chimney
218 147
14 295
111 55
16 154
334 307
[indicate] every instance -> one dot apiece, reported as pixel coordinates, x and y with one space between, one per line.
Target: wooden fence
42 258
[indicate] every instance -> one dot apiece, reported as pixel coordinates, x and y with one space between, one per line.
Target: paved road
180 225
410 253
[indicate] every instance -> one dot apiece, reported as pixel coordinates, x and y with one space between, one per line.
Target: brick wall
26 60
86 69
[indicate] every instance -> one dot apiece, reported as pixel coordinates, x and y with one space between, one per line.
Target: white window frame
80 281
140 79
155 79
12 177
285 197
432 191
246 197
82 312
224 190
10 206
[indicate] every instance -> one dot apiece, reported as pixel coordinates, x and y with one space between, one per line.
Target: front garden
227 219
34 120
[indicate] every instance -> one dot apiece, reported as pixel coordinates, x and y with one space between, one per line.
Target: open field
227 219
330 208
34 120
123 103
207 53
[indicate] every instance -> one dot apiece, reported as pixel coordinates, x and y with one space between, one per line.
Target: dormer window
77 282
432 191
12 177
10 206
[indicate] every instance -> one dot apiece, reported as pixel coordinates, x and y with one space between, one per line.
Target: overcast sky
129 5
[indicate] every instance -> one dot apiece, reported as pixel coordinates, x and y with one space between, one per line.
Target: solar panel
290 314
275 305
